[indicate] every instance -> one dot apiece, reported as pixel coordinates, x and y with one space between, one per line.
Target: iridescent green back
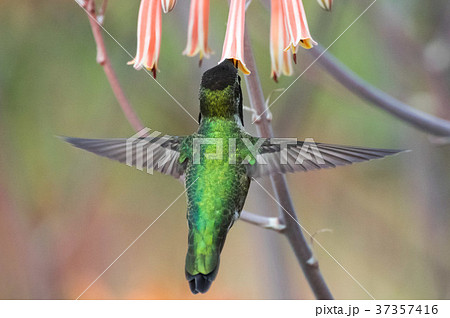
216 198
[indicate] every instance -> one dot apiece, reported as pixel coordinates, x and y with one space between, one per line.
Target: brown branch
287 213
360 87
104 61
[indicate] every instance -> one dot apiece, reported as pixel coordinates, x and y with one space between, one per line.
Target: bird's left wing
278 156
159 153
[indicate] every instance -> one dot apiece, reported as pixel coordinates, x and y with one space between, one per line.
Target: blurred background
65 214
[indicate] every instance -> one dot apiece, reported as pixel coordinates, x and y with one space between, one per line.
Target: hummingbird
217 181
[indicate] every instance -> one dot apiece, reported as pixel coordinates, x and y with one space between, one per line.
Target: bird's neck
219 127
220 104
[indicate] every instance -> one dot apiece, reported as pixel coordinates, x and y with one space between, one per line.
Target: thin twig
104 61
421 120
271 223
287 214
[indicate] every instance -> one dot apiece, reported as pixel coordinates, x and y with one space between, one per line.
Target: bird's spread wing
160 153
284 157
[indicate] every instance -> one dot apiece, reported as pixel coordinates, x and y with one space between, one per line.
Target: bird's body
218 163
219 189
215 200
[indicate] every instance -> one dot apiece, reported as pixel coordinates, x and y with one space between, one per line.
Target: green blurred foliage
65 215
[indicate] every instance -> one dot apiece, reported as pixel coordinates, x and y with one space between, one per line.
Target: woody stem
104 61
287 214
419 119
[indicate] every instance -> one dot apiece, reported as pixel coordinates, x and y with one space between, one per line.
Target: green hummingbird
217 164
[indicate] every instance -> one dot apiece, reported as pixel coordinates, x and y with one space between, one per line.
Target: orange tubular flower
198 30
168 5
233 46
148 36
326 4
297 25
279 39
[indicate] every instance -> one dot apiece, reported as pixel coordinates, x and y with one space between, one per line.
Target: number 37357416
407 309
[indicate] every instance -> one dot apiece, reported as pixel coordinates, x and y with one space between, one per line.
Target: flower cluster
288 30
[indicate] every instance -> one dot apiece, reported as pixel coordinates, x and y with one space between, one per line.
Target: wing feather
302 157
165 151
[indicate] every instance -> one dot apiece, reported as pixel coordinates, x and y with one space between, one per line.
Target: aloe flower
168 5
281 60
197 42
297 26
148 36
233 46
289 29
326 4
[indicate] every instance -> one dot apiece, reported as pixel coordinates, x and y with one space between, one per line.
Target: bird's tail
202 261
200 283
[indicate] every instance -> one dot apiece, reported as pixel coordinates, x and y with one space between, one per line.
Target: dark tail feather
201 283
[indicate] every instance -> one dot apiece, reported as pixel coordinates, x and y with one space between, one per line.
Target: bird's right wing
160 153
307 156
